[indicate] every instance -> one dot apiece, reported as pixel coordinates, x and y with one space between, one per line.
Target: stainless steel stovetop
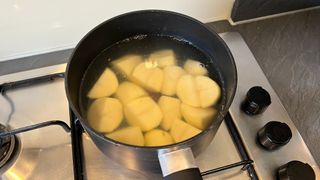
46 153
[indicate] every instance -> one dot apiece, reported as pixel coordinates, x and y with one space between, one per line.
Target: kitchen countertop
288 50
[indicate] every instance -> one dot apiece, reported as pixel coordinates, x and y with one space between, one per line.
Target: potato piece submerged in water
128 91
209 91
129 135
154 82
194 67
181 131
171 75
187 91
157 137
163 58
148 76
106 85
105 114
127 63
200 118
170 108
198 91
144 113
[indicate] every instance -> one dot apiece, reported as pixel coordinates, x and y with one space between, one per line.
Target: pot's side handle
187 174
179 164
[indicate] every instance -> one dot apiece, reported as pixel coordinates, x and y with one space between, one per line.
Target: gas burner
7 148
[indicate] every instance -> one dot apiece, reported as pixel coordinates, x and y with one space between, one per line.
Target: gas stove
256 140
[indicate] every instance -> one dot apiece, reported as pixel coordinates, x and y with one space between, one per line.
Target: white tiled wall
29 27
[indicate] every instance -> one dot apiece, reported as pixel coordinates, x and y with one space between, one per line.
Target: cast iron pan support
36 126
28 82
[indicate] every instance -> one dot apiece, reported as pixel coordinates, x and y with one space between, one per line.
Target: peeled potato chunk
198 91
127 63
200 118
181 131
157 137
128 91
106 85
194 67
170 108
148 77
209 91
171 75
154 82
105 114
130 135
187 92
141 73
144 113
163 58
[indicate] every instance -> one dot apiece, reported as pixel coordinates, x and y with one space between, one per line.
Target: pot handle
179 164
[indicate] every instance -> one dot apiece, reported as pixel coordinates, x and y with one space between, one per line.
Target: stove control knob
256 102
296 170
274 135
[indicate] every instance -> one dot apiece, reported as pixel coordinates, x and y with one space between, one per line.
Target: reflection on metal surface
47 163
175 161
28 159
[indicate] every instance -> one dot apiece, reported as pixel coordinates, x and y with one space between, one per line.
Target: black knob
257 101
274 135
296 170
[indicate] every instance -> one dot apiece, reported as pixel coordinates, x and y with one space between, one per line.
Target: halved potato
144 113
181 131
198 91
128 91
130 135
170 108
157 137
209 91
148 77
171 75
194 67
105 114
163 58
106 85
200 118
187 91
127 63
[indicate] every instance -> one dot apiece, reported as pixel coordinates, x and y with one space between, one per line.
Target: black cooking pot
176 161
153 22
